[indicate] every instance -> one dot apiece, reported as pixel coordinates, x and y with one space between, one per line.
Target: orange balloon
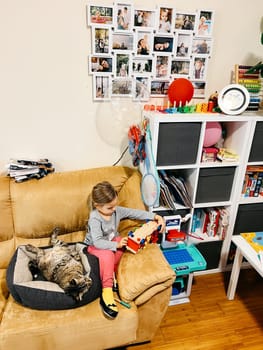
180 91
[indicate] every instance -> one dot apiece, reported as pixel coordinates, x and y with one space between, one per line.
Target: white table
244 249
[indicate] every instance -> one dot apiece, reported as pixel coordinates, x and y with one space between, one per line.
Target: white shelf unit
168 141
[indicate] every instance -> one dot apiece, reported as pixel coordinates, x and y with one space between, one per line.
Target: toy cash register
182 258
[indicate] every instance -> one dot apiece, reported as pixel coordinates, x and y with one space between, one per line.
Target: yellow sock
107 295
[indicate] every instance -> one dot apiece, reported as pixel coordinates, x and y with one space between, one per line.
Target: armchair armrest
140 276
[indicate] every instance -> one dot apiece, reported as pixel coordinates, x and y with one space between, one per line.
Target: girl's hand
123 242
160 221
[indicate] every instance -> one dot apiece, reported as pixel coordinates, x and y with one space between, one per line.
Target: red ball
180 91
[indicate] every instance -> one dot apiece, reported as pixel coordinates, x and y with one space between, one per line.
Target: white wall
46 106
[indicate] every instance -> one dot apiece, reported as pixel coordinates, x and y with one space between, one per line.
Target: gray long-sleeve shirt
100 232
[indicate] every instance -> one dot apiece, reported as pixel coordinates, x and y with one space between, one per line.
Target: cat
62 265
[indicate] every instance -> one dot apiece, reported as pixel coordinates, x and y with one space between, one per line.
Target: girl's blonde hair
102 193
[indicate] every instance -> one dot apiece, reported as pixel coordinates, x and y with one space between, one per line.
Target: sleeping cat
61 264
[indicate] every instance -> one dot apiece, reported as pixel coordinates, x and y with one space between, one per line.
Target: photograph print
199 88
162 66
185 21
143 43
202 46
159 87
101 40
122 87
142 89
163 44
122 41
101 85
205 23
99 15
100 64
122 65
123 13
165 20
199 68
183 45
181 67
141 65
144 18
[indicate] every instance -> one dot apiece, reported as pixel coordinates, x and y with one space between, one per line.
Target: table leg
234 275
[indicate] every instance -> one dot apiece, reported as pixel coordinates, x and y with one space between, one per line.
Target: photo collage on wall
137 52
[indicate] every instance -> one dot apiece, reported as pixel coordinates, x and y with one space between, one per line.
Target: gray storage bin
256 152
211 251
249 218
178 143
214 184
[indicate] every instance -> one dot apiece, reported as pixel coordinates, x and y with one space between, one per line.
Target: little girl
104 240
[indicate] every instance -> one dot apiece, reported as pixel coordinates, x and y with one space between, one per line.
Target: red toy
180 91
137 240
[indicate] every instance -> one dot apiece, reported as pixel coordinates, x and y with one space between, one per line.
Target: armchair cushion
142 275
44 295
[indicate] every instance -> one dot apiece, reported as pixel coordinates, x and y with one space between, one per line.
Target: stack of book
252 82
173 191
227 155
253 181
212 222
24 169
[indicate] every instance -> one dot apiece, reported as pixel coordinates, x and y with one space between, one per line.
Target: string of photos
137 51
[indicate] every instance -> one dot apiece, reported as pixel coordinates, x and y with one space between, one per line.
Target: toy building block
141 236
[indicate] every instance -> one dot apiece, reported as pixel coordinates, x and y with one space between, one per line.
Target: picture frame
122 42
199 67
123 16
101 87
183 47
165 20
144 18
143 43
99 15
205 22
163 44
122 65
142 66
185 21
101 40
199 88
100 65
181 67
159 87
122 87
155 44
142 88
162 66
202 46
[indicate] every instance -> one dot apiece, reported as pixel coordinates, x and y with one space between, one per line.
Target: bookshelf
177 143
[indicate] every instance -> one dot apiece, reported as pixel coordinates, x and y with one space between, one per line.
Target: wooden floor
210 321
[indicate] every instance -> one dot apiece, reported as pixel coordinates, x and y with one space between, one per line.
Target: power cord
122 155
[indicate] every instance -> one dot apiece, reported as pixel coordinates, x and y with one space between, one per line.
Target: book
255 239
22 169
252 82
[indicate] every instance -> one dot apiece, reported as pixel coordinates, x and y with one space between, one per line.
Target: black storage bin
214 184
211 251
178 143
256 152
249 218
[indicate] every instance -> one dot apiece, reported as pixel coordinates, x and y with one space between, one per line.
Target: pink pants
108 261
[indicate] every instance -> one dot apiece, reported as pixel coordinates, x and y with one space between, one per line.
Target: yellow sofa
28 213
